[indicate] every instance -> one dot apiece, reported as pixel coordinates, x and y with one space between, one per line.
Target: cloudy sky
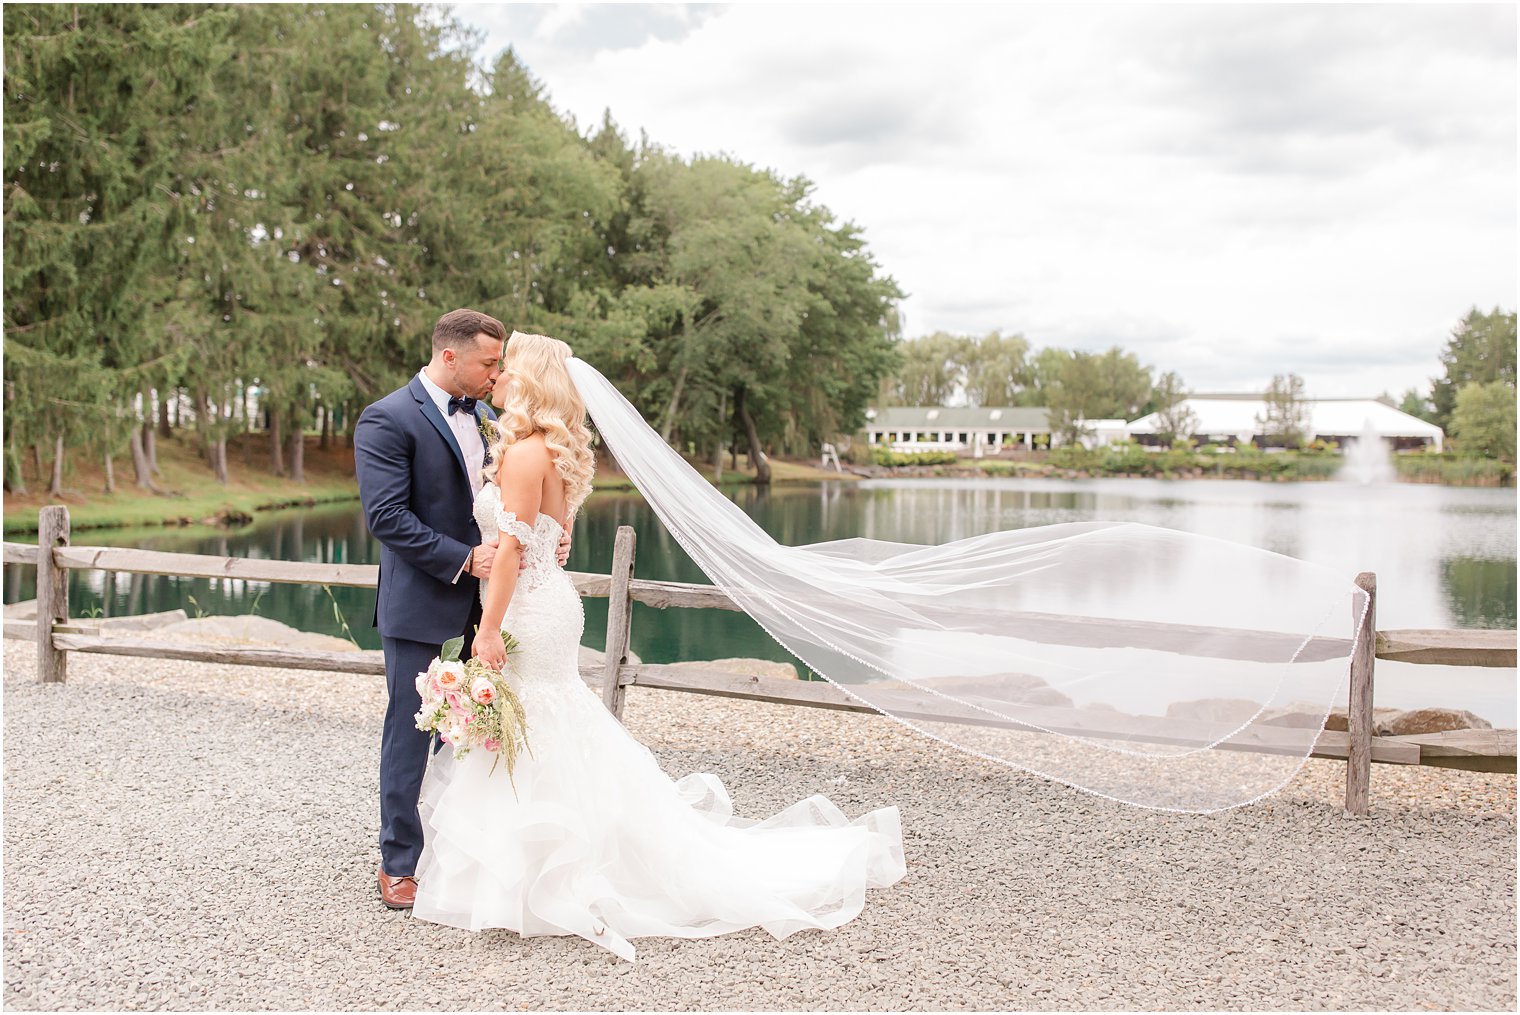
1227 191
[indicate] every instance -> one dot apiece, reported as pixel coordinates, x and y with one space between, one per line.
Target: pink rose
450 676
483 691
493 745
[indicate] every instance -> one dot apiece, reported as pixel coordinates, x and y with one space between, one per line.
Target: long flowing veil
1150 666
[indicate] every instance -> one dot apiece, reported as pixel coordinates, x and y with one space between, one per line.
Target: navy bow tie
461 405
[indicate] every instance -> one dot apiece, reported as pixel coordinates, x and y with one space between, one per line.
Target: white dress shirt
465 432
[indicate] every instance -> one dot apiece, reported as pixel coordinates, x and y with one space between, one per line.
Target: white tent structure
1225 419
1097 433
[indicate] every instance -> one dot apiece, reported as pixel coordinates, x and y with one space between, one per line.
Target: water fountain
1366 460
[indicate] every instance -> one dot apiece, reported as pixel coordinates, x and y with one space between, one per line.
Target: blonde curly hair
541 398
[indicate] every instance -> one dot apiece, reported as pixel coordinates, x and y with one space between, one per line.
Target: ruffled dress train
595 839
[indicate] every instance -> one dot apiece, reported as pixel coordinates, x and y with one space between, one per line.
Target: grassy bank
191 495
782 471
1455 470
1245 463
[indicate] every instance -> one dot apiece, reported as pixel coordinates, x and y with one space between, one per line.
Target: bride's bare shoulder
526 455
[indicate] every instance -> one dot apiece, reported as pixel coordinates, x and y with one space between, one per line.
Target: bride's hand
563 553
488 648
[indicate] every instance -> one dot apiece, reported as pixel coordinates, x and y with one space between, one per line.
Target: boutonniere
487 433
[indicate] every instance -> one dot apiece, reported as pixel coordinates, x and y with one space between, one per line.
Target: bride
1147 665
590 837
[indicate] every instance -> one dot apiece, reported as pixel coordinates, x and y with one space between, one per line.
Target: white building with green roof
975 431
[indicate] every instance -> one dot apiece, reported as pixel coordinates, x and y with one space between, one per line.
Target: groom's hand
563 553
481 560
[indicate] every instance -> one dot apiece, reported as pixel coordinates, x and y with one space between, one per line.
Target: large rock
595 658
143 621
24 610
1292 719
1381 717
1001 688
1218 710
252 630
1433 720
741 667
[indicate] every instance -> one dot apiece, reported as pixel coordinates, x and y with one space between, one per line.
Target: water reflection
327 534
1444 557
1480 593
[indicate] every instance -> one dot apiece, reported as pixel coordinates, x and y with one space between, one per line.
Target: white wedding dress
597 840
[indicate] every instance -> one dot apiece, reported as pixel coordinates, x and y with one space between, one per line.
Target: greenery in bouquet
468 705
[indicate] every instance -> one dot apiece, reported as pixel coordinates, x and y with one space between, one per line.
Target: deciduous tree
1174 418
1481 350
1286 418
1483 421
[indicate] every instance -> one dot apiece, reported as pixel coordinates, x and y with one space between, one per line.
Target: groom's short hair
460 326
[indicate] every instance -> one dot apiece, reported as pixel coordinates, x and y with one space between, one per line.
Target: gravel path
213 847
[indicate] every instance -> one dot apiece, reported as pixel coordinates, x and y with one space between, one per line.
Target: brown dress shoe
398 893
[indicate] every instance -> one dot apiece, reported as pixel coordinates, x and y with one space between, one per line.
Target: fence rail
56 635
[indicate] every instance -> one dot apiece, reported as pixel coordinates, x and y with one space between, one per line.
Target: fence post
619 619
52 592
1359 705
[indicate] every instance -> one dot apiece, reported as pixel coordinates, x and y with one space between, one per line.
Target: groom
418 453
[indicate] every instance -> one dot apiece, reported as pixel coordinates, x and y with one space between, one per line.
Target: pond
1444 556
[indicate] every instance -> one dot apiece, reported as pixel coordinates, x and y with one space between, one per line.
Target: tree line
209 207
1005 370
212 208
1474 400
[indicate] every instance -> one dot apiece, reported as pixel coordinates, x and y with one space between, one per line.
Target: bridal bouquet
470 705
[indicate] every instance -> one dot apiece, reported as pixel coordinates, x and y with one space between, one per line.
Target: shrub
859 452
995 468
1454 469
887 457
1484 420
1072 456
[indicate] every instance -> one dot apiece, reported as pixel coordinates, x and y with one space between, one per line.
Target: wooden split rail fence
57 635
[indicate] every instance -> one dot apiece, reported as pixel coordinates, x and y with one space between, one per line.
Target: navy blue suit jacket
418 504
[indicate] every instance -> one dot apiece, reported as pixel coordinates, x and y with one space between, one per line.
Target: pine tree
92 140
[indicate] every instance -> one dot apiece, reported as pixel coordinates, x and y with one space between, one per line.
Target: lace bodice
540 541
546 615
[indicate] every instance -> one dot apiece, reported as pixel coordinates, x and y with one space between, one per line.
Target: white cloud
1228 191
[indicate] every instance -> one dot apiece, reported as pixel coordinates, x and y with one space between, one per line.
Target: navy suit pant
404 750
